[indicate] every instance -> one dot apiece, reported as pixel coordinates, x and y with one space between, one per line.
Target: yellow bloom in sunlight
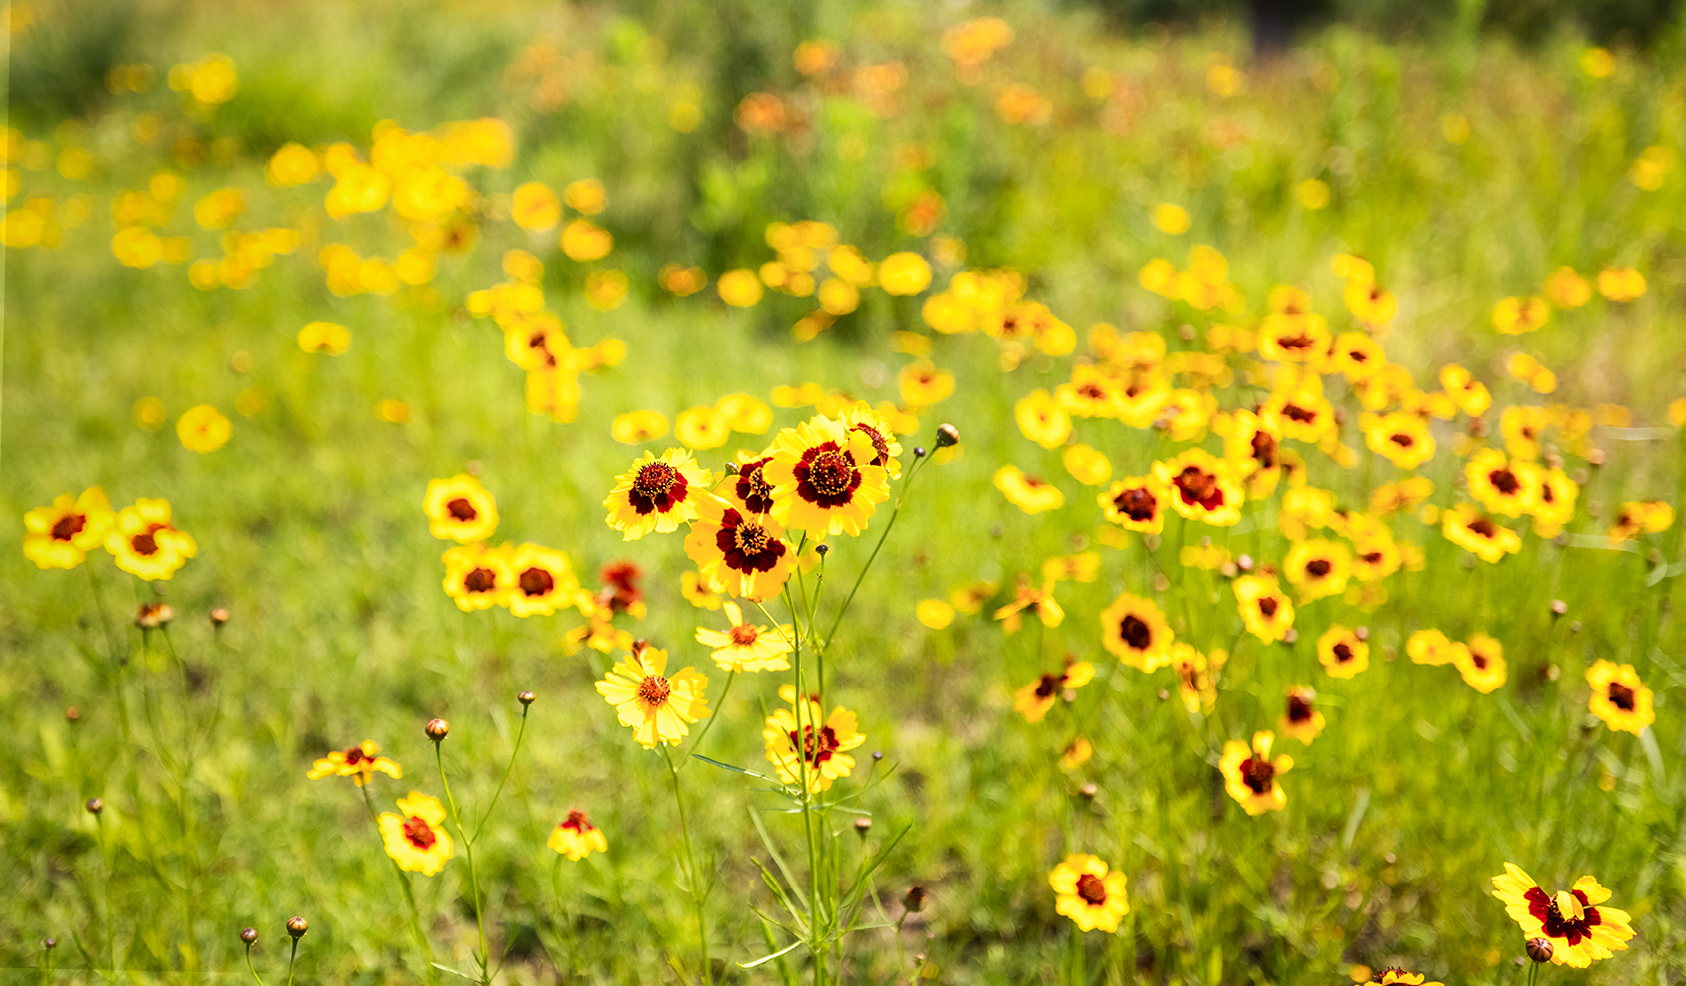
584 240
1514 316
1641 517
1086 465
656 494
1508 488
1619 697
60 536
1085 566
745 413
1621 283
359 763
460 509
415 837
586 196
1171 218
1401 438
745 646
656 706
1031 494
1089 893
1429 647
543 582
1265 611
478 577
534 206
1522 427
1076 754
922 384
1369 303
702 427
862 419
1250 776
904 274
1296 337
1201 487
576 838
1579 929
203 429
293 164
1318 568
823 478
805 750
1029 598
1302 721
739 288
1481 662
934 613
1197 676
1470 394
599 633
1342 653
1035 699
1040 419
324 337
1135 631
695 587
143 543
1396 977
1352 268
638 427
1475 532
1567 289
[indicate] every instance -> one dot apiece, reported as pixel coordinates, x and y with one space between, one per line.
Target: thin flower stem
697 743
250 968
291 961
105 862
520 734
409 895
697 897
99 604
907 481
468 851
815 946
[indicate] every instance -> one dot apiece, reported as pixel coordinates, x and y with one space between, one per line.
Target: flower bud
154 615
919 451
1558 608
822 549
437 729
297 926
248 935
72 714
863 825
914 899
49 943
219 616
526 698
947 435
95 806
1539 949
1089 790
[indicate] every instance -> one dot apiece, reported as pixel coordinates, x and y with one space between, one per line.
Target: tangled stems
409 897
697 896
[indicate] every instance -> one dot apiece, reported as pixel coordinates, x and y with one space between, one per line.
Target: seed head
1539 949
297 926
95 806
947 435
219 616
437 729
526 698
249 936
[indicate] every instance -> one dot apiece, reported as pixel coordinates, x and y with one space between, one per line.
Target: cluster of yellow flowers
141 538
526 579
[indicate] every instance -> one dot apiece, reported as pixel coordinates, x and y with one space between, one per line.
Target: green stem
409 895
799 746
468 851
697 897
105 862
251 968
291 961
895 512
520 734
731 676
99 604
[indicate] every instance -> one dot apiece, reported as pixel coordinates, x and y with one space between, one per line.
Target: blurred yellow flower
1086 465
203 429
415 838
291 165
638 427
143 542
586 196
61 535
460 509
904 274
360 763
1342 652
1170 218
324 337
934 613
745 413
576 838
584 240
702 427
739 288
1621 283
922 384
1250 776
1135 631
1089 893
1312 194
744 646
1029 493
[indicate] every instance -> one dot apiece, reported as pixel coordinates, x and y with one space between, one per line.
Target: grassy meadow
166 248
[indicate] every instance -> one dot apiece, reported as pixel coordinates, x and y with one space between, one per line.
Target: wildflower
460 509
747 487
1250 775
805 750
1471 395
904 274
1040 419
1085 566
1302 721
1636 517
934 613
599 633
1402 438
1318 568
1390 977
862 419
922 384
1300 408
1567 289
1342 653
1265 611
1369 303
1086 465
638 427
542 582
1621 283
1029 493
1619 697
576 838
61 535
1201 488
1196 676
745 646
1578 930
739 554
739 288
1375 555
203 429
621 593
1035 699
701 427
1514 316
1429 647
359 763
1555 503
1133 629
143 543
1089 892
324 337
1509 488
1357 356
657 707
1294 336
1027 597
1522 427
656 494
822 477
1076 754
745 414
415 837
1470 529
478 577
1252 448
1481 662
534 206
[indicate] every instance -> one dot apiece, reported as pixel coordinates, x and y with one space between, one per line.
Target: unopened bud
95 806
640 645
914 899
154 615
526 698
297 926
877 755
249 936
919 451
219 616
821 549
437 729
1089 790
947 435
49 943
1559 607
1539 949
863 825
72 713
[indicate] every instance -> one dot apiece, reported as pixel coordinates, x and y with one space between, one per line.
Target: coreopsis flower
1076 754
1031 599
203 429
1298 404
1369 303
1252 448
1250 776
1399 977
1580 931
1293 336
1091 393
1342 653
1636 517
1475 532
1509 488
1201 487
61 535
657 706
1522 426
1375 555
1135 503
1481 662
1035 699
1041 420
143 543
1301 720
805 750
415 837
1265 610
598 632
543 582
1197 677
1619 697
746 414
697 590
638 427
1567 289
1134 630
823 479
862 419
1401 438
1621 283
1555 504
1470 395
1318 568
922 384
934 613
1357 356
1429 647
702 427
621 593
656 494
739 554
746 487
1085 566
360 763
478 577
1515 316
1086 465
460 509
576 838
745 646
1032 494
1089 893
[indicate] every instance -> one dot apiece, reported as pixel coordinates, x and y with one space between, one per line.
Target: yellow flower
885 447
656 494
1250 775
934 613
1357 356
655 705
1197 676
599 633
1402 438
359 763
1031 494
293 164
823 479
143 543
1076 754
1522 427
702 427
1621 283
460 509
543 582
1342 653
534 206
1555 504
1580 931
1136 503
1476 532
1636 517
478 577
1429 647
1369 303
1619 697
805 750
922 384
1567 289
1089 893
1040 419
1481 662
1035 699
1201 487
1265 611
1397 977
1302 721
584 240
203 429
586 195
1086 465
1027 597
1318 568
638 427
61 535
739 288
745 413
325 337
1134 630
1509 488
415 837
576 838
1085 566
1470 394
695 587
745 646
1514 316
904 274
1294 337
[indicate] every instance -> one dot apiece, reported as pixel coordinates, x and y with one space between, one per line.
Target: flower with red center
1197 676
1401 438
1035 699
143 543
460 509
745 646
542 582
576 838
1555 504
1429 647
598 632
656 494
1318 568
1201 487
1357 356
862 419
1579 929
1089 892
1509 488
1619 697
1375 555
1029 598
1041 419
1252 446
1293 337
1481 661
1399 977
61 535
746 487
1090 394
1475 532
805 750
478 577
621 593
1368 302
1133 629
1301 720
360 763
698 591
823 478
1342 653
1076 754
1032 494
657 706
1637 517
1265 611
1299 407
415 838
1142 392
1250 776
739 554
1136 503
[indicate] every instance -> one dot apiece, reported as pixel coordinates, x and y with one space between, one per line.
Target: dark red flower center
880 445
1049 684
827 476
746 545
1257 774
654 690
1199 487
1268 606
1318 567
1137 504
817 746
1299 414
69 526
1343 653
658 487
1301 341
1264 449
480 580
536 581
1621 696
1402 440
1567 927
577 821
1135 632
744 635
1483 527
355 755
419 834
1299 708
460 509
144 544
1091 889
1504 481
753 489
